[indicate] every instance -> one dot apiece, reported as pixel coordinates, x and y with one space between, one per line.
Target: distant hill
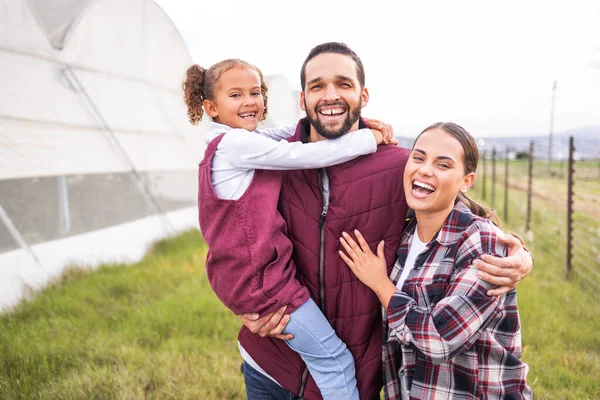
587 143
585 132
588 131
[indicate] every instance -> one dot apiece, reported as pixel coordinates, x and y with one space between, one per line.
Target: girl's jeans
328 359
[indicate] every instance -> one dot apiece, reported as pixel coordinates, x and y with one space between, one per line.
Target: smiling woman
434 175
444 333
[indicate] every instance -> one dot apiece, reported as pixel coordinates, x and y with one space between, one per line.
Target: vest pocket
273 275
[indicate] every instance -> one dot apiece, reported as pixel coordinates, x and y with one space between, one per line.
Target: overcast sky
488 66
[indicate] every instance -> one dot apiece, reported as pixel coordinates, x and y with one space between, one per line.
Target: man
366 193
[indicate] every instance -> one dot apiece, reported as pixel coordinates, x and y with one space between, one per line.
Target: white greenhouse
97 158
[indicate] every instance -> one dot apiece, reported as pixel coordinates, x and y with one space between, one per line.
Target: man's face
332 97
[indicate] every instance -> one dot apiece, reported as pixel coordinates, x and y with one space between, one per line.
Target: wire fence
554 204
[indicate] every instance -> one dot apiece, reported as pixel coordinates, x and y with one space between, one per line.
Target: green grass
549 211
560 325
560 319
155 330
149 330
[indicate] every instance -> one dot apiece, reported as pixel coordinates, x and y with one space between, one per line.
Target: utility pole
551 126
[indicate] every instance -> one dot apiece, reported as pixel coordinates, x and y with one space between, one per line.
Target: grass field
149 330
560 319
155 330
554 311
549 210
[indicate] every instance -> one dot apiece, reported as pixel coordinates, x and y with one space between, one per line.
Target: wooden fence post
529 188
571 171
494 177
506 185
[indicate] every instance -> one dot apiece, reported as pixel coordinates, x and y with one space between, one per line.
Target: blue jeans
259 387
328 359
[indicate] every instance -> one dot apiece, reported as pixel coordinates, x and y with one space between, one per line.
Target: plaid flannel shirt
444 337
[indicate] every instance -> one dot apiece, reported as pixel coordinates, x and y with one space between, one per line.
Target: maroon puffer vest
249 262
365 194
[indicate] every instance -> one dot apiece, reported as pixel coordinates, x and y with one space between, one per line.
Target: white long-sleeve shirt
240 152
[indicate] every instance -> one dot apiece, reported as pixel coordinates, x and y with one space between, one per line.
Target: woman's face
435 172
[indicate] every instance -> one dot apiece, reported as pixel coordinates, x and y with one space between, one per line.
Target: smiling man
318 205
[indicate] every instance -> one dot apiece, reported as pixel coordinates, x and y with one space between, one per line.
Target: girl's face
239 102
435 172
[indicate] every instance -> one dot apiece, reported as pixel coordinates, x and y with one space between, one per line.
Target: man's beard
352 115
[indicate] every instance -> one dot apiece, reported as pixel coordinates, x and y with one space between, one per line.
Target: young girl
446 339
249 263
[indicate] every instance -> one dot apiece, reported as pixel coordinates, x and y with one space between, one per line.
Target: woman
445 337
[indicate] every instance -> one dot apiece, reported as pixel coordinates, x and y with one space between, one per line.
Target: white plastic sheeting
20 31
33 149
97 157
112 79
21 274
56 17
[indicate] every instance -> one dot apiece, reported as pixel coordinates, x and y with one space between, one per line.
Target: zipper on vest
324 187
325 194
323 215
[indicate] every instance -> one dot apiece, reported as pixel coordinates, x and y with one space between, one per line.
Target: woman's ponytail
480 210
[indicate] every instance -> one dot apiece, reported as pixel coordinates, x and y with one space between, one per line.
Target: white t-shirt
416 248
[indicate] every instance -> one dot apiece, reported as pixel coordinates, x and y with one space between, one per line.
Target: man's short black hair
337 48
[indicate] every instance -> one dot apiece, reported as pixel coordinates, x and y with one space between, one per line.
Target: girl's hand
378 136
269 325
386 130
371 269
